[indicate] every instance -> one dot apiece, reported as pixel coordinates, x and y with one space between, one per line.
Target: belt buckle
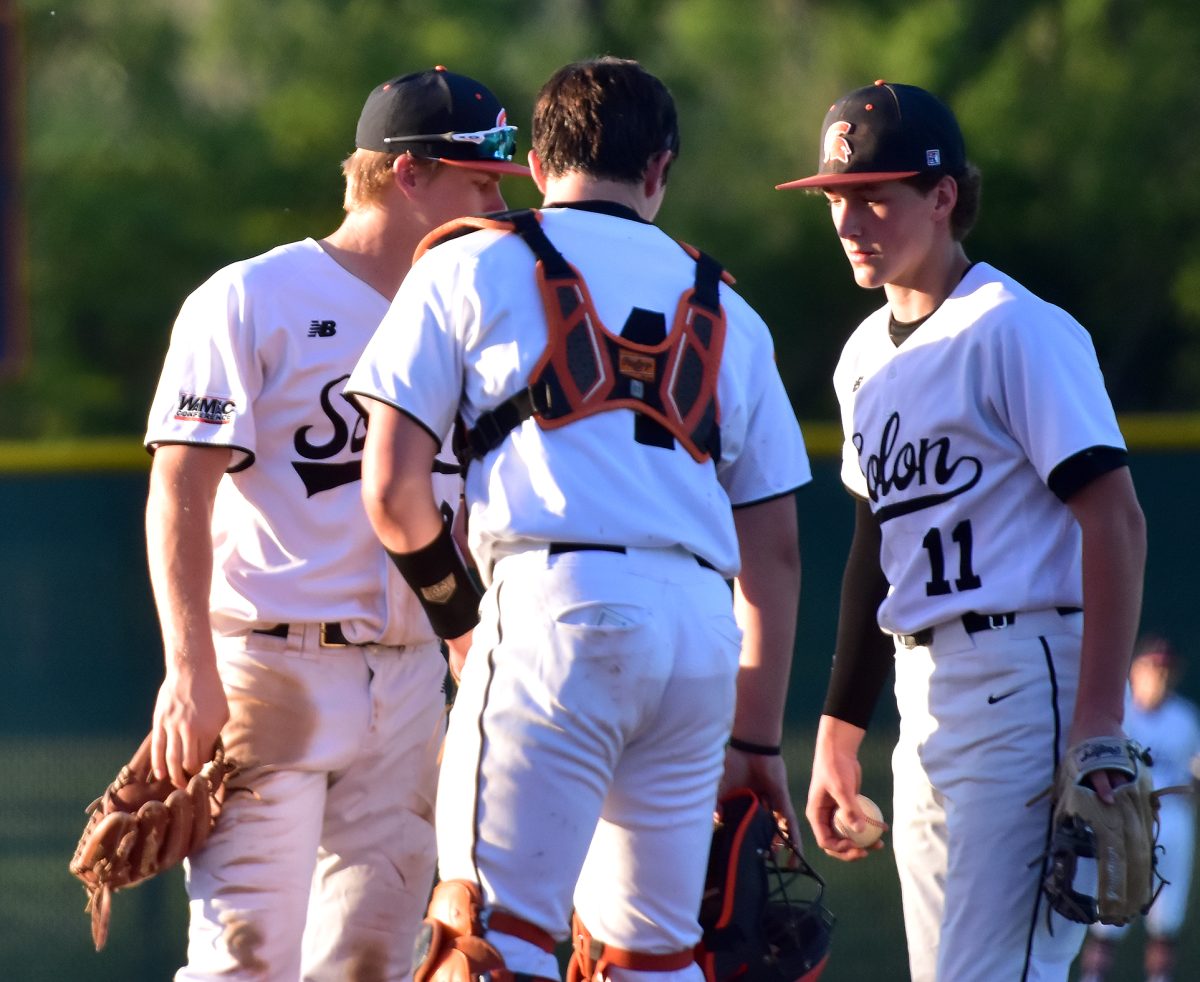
998 622
325 643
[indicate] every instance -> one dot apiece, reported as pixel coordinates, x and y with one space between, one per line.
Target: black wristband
762 749
439 578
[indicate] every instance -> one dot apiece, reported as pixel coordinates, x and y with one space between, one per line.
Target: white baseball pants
585 747
321 868
984 720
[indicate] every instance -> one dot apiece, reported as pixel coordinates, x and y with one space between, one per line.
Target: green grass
44 933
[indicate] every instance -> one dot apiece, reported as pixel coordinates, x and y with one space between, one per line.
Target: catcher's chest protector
587 369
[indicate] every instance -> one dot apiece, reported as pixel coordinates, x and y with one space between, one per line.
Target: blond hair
368 174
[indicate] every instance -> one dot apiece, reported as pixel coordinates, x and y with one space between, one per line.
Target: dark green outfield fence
82 663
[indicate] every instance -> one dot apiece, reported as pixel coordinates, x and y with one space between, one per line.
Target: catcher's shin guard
450 946
590 959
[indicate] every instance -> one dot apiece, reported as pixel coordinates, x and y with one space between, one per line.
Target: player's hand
189 713
766 775
1104 782
457 649
822 806
1085 727
836 778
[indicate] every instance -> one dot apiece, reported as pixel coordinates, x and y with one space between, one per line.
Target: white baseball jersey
1171 731
482 320
952 437
258 357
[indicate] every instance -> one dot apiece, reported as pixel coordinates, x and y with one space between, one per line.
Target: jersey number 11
938 585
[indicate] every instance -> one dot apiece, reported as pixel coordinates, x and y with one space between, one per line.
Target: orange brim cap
846 179
490 166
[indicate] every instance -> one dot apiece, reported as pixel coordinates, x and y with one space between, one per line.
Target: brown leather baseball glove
1121 838
142 826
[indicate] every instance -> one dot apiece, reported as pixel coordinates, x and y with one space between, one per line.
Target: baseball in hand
875 825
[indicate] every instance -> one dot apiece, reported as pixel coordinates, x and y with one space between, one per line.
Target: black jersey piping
491 662
1057 717
765 499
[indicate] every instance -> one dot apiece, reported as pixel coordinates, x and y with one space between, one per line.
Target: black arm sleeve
863 657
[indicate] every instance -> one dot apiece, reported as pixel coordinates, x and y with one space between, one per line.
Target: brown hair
966 208
606 117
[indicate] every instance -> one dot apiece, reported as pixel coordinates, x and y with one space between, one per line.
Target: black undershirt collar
901 331
601 207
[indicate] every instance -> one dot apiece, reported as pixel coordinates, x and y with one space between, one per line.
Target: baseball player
590 729
285 627
1162 720
998 543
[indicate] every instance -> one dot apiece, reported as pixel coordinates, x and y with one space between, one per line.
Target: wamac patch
205 409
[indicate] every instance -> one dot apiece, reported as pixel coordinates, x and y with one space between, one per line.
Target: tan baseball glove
142 826
1120 837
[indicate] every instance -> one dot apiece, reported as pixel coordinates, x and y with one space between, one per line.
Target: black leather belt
331 634
558 548
973 623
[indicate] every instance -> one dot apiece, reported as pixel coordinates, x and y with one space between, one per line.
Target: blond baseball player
631 448
286 629
998 544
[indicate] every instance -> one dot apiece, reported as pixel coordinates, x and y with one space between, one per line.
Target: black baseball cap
885 132
438 114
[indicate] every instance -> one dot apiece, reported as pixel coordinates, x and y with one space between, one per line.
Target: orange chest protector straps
586 369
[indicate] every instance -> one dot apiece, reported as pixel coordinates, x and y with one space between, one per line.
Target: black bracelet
762 749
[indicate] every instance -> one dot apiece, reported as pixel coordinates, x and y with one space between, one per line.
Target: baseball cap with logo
441 115
886 132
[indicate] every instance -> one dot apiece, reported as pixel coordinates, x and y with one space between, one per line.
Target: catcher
142 826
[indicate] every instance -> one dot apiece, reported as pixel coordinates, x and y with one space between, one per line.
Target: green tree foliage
169 137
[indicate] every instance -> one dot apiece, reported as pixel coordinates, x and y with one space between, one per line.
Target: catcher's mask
754 930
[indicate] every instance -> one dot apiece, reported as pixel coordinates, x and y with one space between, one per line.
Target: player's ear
405 173
945 196
537 172
656 172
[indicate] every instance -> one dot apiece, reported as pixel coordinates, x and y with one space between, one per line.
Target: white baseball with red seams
871 831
